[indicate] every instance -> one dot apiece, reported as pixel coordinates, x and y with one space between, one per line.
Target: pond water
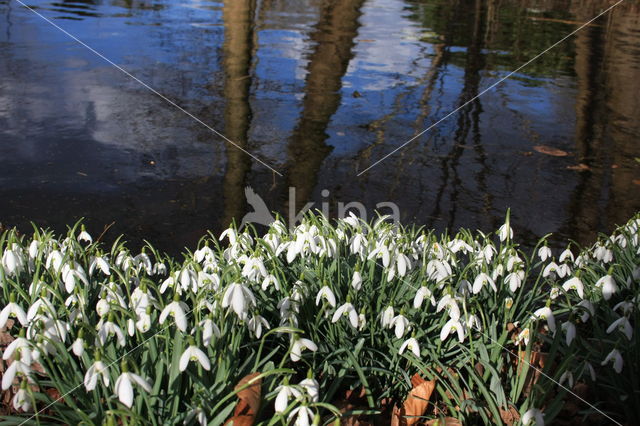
319 91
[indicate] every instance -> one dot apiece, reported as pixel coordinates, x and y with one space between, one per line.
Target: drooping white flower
544 253
453 325
473 322
451 304
400 324
356 280
533 416
270 280
255 325
574 283
608 286
84 236
587 309
100 264
303 415
124 387
107 329
285 392
626 306
78 346
570 331
240 298
480 282
12 261
547 315
22 400
19 343
411 344
387 317
97 369
623 325
312 388
514 279
420 296
298 345
12 310
209 329
177 311
346 309
16 367
326 293
616 357
523 337
103 307
566 255
199 415
567 377
505 232
551 268
193 353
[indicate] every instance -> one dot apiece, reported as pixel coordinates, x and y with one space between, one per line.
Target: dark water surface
319 90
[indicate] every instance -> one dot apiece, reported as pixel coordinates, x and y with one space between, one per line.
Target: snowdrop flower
566 255
177 310
411 344
193 353
623 325
480 282
544 253
124 387
285 393
438 270
387 317
401 325
21 400
356 280
240 298
508 302
311 387
34 248
420 296
12 261
474 322
627 307
326 293
41 305
567 376
570 331
16 367
453 325
107 329
300 344
551 268
78 345
269 280
574 284
451 305
608 286
592 371
54 261
347 310
505 232
533 416
587 310
603 254
546 314
616 357
209 329
84 235
255 325
198 414
103 307
303 414
514 279
12 310
20 345
143 323
97 369
100 264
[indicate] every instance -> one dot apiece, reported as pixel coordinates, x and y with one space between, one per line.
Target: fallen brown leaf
636 181
510 416
549 150
445 421
416 403
249 402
